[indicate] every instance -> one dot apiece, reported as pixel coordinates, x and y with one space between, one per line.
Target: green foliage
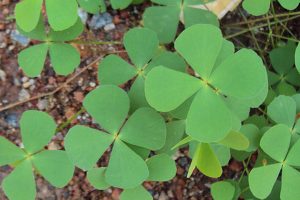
297 57
260 7
280 143
285 77
37 129
143 55
165 17
145 128
167 89
32 59
223 190
204 91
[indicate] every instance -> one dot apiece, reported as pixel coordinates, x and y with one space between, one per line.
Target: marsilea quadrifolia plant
200 95
131 138
37 129
32 59
223 87
62 14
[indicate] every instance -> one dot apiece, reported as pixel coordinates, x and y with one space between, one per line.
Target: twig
57 89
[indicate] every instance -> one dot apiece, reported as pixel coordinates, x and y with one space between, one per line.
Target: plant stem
265 18
69 121
245 169
257 27
94 42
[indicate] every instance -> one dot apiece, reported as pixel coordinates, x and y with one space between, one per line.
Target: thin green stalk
245 169
257 27
280 36
69 121
265 18
254 38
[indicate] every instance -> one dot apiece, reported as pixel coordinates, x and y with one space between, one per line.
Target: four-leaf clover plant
145 128
63 56
37 129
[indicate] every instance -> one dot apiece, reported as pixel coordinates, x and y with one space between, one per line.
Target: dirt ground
65 102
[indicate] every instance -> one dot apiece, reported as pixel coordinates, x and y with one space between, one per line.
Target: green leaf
175 132
297 57
163 20
139 49
114 70
283 58
137 94
283 110
96 177
194 15
238 108
167 2
296 98
58 54
222 190
82 141
276 141
289 4
182 142
32 59
109 106
142 152
167 59
145 128
253 134
20 184
55 166
9 152
117 4
90 6
293 155
245 76
62 14
222 153
293 77
67 34
283 88
290 183
200 45
209 119
166 89
37 129
207 162
256 7
262 180
137 193
235 140
161 168
28 14
227 50
125 168
38 33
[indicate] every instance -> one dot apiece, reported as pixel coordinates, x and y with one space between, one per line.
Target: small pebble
83 15
16 36
92 84
2 75
109 27
100 20
42 104
12 120
23 95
